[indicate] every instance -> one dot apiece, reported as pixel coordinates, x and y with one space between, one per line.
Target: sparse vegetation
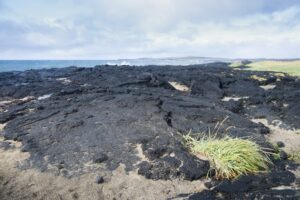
276 154
236 64
230 157
279 74
290 67
258 78
295 156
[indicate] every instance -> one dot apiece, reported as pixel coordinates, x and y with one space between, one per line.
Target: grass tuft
230 157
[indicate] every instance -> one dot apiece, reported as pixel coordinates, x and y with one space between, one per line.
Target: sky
111 29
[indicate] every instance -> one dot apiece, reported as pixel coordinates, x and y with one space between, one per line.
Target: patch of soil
289 137
33 184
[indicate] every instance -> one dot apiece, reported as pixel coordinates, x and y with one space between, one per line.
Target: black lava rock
211 172
100 158
145 169
283 155
205 195
240 185
211 183
99 180
280 144
246 62
263 129
234 106
5 145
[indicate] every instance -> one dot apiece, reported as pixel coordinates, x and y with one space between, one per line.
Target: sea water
21 65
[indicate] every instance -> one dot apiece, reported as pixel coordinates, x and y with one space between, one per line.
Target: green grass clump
230 157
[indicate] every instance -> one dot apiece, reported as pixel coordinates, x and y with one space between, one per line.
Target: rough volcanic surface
78 120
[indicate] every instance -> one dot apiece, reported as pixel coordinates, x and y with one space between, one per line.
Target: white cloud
133 28
262 35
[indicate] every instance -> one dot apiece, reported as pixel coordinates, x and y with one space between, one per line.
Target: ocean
21 65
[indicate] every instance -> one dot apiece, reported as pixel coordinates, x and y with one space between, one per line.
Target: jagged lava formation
72 116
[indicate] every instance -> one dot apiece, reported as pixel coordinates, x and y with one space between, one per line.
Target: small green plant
276 154
230 157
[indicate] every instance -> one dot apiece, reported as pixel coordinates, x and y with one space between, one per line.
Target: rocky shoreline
77 121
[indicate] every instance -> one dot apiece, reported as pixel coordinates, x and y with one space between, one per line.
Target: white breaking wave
165 61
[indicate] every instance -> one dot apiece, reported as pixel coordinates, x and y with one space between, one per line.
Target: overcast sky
109 29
